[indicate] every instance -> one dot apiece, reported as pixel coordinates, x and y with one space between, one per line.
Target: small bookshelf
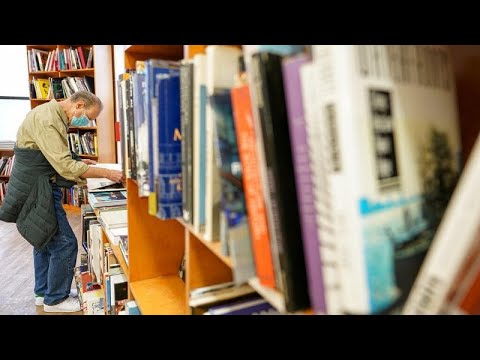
101 70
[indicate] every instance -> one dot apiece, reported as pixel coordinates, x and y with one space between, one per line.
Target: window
14 91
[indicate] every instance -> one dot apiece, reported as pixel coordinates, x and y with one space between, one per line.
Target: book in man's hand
104 183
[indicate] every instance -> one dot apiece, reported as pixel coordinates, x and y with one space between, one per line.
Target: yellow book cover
95 144
44 86
152 204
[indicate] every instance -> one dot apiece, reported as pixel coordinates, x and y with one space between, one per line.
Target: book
455 242
199 141
282 209
252 306
221 67
103 183
107 198
186 107
257 217
213 294
303 180
390 118
168 176
232 194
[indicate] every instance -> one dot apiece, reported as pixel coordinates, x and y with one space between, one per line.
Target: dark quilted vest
29 200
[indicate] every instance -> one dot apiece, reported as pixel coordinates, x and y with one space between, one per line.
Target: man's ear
80 104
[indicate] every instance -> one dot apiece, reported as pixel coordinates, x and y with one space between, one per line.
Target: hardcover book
390 113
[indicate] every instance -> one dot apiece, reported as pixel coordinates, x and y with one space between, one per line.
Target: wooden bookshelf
93 157
102 72
9 153
157 247
213 246
144 52
116 250
162 295
82 128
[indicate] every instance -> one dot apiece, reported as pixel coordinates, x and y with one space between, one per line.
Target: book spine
252 185
169 192
186 104
304 180
281 182
199 141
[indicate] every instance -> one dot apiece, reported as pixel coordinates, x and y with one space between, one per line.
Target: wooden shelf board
273 296
144 52
34 73
42 47
82 128
70 71
4 177
89 156
163 295
214 247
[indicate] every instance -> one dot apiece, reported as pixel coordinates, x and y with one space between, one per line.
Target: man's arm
98 172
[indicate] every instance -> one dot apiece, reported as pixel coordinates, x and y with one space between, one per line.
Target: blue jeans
54 264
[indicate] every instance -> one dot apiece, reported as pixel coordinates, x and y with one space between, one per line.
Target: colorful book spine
303 180
257 216
169 191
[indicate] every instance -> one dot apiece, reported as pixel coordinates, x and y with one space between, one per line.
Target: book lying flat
107 198
103 183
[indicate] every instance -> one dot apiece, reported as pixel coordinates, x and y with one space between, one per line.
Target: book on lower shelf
101 198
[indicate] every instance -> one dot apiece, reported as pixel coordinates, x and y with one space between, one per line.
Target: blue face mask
80 121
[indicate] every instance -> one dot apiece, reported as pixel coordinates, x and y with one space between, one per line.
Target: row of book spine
84 143
60 59
310 164
59 87
75 196
3 190
6 165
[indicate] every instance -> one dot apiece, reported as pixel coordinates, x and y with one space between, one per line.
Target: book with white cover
222 65
199 140
101 183
391 116
456 236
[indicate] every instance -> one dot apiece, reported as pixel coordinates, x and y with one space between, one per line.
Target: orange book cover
257 216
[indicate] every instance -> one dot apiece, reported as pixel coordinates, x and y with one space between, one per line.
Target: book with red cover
257 216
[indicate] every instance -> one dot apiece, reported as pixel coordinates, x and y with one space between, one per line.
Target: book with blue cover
169 176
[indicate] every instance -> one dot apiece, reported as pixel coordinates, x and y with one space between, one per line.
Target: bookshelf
156 247
9 153
102 74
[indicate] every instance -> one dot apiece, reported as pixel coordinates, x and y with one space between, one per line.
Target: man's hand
89 162
115 175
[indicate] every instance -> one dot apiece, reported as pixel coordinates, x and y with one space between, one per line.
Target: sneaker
39 299
68 305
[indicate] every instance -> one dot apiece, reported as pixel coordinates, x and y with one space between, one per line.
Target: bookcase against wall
102 73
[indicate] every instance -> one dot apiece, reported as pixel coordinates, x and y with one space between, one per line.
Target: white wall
13 61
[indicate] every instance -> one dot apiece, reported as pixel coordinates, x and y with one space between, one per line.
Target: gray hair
89 99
